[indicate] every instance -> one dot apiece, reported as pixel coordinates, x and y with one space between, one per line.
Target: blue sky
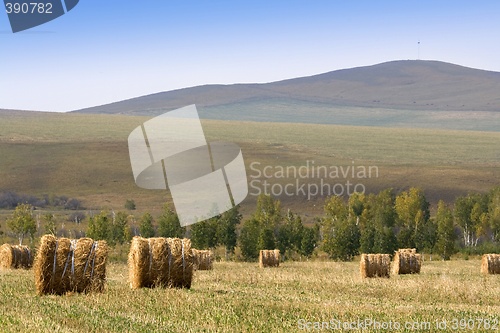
106 51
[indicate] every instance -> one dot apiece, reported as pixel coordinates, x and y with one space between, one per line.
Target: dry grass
241 297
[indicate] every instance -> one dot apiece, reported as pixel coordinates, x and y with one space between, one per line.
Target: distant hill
408 93
446 96
402 85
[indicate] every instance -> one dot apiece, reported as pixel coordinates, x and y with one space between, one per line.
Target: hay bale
181 271
70 265
375 265
269 258
490 264
148 262
15 256
202 260
407 261
160 262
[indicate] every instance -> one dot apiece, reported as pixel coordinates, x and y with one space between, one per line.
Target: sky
105 51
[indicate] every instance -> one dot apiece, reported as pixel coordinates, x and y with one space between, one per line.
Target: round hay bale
15 256
490 263
148 262
181 268
202 260
70 265
277 257
406 261
375 265
160 262
269 258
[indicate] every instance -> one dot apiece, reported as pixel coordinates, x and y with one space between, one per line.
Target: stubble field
241 297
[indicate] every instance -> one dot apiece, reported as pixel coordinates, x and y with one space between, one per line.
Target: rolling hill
411 93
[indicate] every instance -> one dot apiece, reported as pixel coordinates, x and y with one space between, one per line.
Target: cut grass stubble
241 297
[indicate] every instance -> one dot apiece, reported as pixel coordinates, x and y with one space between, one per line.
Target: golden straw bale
375 265
490 264
269 258
407 261
148 262
160 262
202 260
15 256
181 268
277 257
70 265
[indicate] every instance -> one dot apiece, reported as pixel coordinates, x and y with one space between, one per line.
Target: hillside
412 93
404 85
85 156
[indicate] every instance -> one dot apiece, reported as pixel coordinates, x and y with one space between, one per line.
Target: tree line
10 200
384 222
372 223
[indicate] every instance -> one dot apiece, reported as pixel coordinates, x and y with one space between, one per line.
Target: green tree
377 223
49 223
118 231
249 236
494 213
340 230
268 212
385 240
345 243
22 222
266 239
357 204
226 231
290 234
309 241
445 245
169 224
99 226
268 215
427 237
204 234
469 216
367 238
146 228
412 209
359 207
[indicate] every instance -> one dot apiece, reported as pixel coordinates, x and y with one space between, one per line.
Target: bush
130 204
77 217
73 204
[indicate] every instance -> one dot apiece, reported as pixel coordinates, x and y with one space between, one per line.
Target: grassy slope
240 297
86 156
297 111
